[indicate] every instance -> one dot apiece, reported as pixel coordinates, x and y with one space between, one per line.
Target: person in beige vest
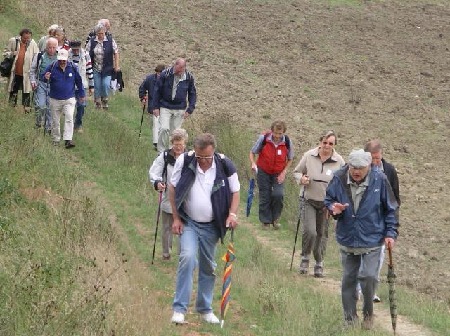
314 172
23 48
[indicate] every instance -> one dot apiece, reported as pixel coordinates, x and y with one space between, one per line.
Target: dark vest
108 59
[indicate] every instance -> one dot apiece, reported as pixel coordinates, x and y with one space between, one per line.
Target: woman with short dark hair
314 171
22 48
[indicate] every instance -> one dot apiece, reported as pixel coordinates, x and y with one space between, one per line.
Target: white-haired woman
160 172
105 60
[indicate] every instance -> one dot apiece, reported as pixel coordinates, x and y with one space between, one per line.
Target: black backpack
7 64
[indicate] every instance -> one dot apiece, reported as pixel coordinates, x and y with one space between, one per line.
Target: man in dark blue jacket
64 80
362 201
172 89
146 90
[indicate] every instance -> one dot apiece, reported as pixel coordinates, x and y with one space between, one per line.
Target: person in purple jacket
64 80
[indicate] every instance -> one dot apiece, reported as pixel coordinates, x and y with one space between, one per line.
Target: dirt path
405 327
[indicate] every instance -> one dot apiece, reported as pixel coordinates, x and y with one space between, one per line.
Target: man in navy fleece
64 80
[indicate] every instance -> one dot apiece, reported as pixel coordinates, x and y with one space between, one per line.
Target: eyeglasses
328 143
206 158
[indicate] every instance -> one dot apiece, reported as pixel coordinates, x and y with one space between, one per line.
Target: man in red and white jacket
275 154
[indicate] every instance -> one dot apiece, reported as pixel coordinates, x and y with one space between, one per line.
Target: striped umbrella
391 281
228 258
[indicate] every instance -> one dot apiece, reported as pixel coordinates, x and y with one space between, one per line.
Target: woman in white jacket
159 173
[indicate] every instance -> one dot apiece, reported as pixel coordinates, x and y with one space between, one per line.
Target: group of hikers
200 196
58 72
199 189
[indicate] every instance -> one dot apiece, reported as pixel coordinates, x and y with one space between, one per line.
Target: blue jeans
102 85
201 239
80 112
42 105
271 194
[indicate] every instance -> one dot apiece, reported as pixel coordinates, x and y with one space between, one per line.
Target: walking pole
142 120
298 226
157 223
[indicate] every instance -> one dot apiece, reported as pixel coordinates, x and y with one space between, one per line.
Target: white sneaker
210 318
178 318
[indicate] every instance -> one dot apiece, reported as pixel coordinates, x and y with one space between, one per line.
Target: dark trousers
271 194
368 276
16 86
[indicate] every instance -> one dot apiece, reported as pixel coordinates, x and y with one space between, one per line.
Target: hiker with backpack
64 79
104 55
146 90
21 49
314 171
204 195
41 88
79 57
160 173
274 156
173 89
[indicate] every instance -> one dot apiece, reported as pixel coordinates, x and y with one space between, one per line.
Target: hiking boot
376 298
211 318
69 144
79 129
304 266
367 323
265 226
351 322
105 104
276 225
178 318
318 271
98 105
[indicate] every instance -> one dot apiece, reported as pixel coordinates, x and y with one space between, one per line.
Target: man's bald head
180 66
51 46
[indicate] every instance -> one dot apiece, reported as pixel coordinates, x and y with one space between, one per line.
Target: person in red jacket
274 156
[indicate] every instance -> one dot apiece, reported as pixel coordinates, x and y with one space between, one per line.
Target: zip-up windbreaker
162 94
221 194
64 83
375 218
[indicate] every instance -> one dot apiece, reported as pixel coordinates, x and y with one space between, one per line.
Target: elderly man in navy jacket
173 88
362 201
146 90
64 79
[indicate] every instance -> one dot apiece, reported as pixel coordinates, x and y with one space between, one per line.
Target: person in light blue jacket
362 201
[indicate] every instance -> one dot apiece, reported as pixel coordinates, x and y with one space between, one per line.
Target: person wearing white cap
362 201
64 80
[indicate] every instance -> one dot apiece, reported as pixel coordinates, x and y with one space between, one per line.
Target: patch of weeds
271 299
8 193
